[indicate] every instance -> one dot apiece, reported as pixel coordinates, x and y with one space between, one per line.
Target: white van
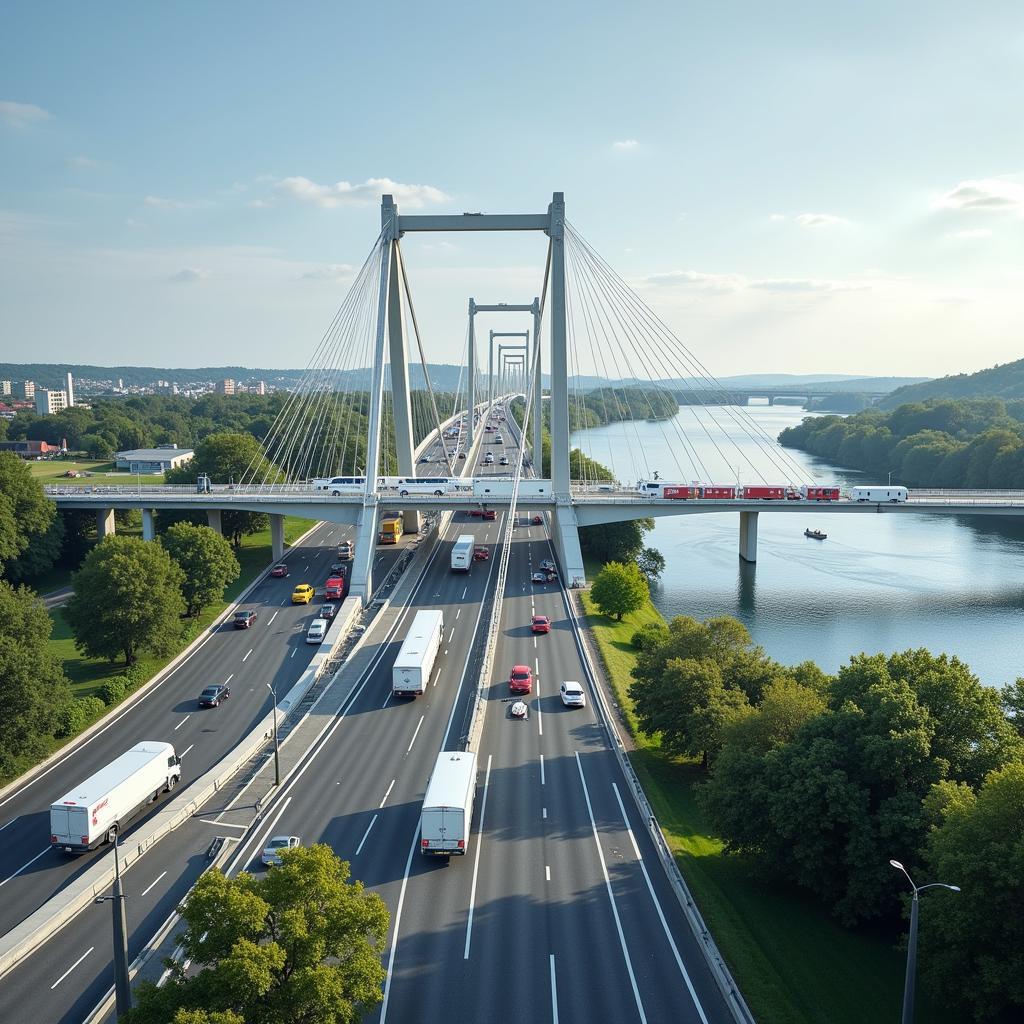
317 631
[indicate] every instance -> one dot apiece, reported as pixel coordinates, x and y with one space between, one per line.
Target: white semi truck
502 487
415 660
447 813
462 552
95 811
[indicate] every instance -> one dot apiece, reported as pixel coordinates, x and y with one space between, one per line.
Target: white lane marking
554 991
611 895
394 934
534 643
387 794
151 884
544 812
292 655
11 822
657 906
223 824
415 734
187 749
547 872
458 612
540 715
542 769
466 591
71 968
285 601
181 723
271 619
476 858
266 835
450 635
229 678
247 656
365 834
23 866
536 665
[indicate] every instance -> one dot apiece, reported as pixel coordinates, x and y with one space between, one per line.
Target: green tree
619 589
127 599
1012 699
40 556
25 511
301 944
207 561
620 542
33 688
651 563
972 943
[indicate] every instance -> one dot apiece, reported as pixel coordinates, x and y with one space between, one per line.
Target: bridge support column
361 580
213 520
277 537
748 536
104 523
470 431
538 389
148 524
398 357
566 535
559 358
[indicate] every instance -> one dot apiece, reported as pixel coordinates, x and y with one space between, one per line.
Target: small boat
815 534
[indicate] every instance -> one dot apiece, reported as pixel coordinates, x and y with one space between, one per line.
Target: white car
317 631
272 851
572 694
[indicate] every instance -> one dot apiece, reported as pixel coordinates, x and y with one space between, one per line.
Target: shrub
69 720
113 691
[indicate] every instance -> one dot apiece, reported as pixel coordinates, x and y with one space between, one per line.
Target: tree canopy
26 514
299 945
619 589
205 559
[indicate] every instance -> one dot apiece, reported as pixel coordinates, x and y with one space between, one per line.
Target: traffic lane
247 659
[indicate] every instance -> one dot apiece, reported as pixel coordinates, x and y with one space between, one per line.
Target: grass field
54 471
793 963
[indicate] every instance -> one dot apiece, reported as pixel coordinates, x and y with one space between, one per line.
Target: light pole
908 986
122 982
277 749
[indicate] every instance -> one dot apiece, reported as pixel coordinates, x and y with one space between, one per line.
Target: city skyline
783 191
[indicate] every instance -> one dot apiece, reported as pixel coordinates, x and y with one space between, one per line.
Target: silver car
572 694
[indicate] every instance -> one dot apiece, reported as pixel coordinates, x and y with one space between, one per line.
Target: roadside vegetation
783 793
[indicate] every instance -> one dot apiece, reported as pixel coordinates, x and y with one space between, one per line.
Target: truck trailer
391 529
462 552
95 811
447 813
415 660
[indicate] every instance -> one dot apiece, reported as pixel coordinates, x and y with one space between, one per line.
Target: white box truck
447 812
501 487
879 494
412 668
462 552
97 809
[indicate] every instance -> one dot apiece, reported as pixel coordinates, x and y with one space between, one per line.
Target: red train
749 492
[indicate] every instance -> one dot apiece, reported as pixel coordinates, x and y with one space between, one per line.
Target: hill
1005 381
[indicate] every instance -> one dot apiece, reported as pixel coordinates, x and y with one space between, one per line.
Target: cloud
995 194
81 161
777 218
259 204
342 193
693 280
970 234
792 285
20 114
819 220
329 272
626 145
697 281
161 202
189 275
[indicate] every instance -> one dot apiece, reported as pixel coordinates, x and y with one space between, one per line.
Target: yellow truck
391 529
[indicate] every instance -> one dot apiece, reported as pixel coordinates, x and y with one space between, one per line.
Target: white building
153 460
49 402
70 389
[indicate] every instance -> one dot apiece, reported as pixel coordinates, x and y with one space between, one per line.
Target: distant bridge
742 396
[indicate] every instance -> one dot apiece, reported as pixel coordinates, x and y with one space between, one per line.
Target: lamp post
122 981
908 986
277 749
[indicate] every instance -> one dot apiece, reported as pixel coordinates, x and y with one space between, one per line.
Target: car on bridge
481 554
503 460
339 568
327 611
272 851
490 514
546 565
540 624
540 577
279 570
346 550
212 696
572 694
302 594
245 618
537 520
521 679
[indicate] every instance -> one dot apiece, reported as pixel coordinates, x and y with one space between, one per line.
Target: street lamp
122 982
908 986
277 748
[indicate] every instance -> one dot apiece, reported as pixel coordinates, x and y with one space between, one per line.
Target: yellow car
302 594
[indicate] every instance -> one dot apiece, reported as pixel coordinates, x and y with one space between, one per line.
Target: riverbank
793 963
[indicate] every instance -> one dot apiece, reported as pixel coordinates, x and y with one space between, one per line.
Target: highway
560 911
272 650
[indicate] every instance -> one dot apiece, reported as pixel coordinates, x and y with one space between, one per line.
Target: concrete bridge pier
361 580
104 523
277 537
148 524
748 536
566 535
213 520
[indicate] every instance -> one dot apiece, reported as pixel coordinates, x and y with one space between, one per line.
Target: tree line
817 781
972 443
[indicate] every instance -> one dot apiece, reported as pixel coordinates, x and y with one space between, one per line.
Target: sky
799 188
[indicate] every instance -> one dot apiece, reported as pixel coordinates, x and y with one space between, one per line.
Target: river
878 583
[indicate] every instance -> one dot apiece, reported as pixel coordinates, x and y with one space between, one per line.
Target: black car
212 696
546 565
339 568
328 611
244 619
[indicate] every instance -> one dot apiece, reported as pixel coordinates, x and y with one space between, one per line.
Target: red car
481 554
540 624
537 520
476 511
279 570
335 587
490 514
521 680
